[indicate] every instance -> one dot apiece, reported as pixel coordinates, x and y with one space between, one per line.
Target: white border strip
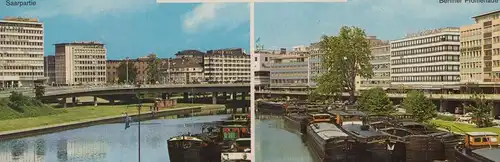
252 79
243 1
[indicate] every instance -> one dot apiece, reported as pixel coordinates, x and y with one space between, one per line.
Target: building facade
426 59
297 68
226 66
185 68
80 63
21 52
262 73
140 64
480 50
381 63
50 69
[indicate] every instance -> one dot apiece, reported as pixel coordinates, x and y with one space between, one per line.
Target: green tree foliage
153 70
122 72
39 91
480 109
375 101
346 56
420 106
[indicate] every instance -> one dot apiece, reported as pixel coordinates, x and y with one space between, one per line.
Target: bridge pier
63 101
243 96
95 101
494 111
224 95
443 106
214 97
73 100
233 96
186 96
111 101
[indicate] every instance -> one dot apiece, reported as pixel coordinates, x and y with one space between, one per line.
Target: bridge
114 92
495 97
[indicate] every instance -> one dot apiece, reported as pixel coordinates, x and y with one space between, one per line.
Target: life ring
186 145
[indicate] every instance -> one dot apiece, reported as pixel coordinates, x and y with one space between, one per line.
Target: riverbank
462 127
86 116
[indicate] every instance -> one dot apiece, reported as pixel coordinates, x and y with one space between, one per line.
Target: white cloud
208 16
86 8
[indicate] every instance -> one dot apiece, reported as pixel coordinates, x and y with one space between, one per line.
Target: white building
227 66
21 52
261 71
426 59
381 63
80 63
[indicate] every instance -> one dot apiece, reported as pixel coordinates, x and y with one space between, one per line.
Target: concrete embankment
186 111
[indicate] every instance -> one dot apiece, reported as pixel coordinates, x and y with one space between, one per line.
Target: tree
420 106
375 101
480 109
122 72
153 69
39 91
345 57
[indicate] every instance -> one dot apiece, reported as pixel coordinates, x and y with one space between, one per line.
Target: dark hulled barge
326 141
186 149
271 108
478 147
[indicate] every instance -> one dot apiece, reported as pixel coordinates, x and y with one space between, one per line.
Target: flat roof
327 130
81 43
481 133
489 153
487 13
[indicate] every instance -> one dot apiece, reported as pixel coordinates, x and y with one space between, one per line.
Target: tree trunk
352 97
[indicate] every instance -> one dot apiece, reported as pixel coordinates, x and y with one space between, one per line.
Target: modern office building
80 63
50 69
381 63
480 50
296 68
21 52
262 73
140 64
428 59
226 66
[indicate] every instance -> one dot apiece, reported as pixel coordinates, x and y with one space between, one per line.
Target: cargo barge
478 147
187 148
326 141
271 108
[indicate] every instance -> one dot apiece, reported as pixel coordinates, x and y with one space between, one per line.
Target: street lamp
126 62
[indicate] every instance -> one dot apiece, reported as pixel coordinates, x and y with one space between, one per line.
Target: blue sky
135 28
290 24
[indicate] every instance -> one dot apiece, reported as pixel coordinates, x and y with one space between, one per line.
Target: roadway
87 90
391 95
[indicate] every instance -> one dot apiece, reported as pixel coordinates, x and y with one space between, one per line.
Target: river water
274 144
103 143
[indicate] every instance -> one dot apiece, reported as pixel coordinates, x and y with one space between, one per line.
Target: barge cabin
478 147
328 143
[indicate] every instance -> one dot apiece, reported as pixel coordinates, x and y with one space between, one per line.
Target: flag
258 40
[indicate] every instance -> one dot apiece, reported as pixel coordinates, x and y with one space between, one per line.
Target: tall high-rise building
480 50
428 59
226 66
21 52
80 63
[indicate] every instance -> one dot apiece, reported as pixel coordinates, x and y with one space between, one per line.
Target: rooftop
489 153
81 43
8 18
327 130
481 133
432 31
487 13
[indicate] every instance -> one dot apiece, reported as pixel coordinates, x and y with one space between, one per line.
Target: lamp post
126 62
3 69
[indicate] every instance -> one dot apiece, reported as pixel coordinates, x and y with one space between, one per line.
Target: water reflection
274 144
103 143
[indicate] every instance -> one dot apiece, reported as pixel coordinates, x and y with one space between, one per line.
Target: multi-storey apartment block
185 68
381 63
262 73
80 63
21 52
227 66
480 50
426 59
